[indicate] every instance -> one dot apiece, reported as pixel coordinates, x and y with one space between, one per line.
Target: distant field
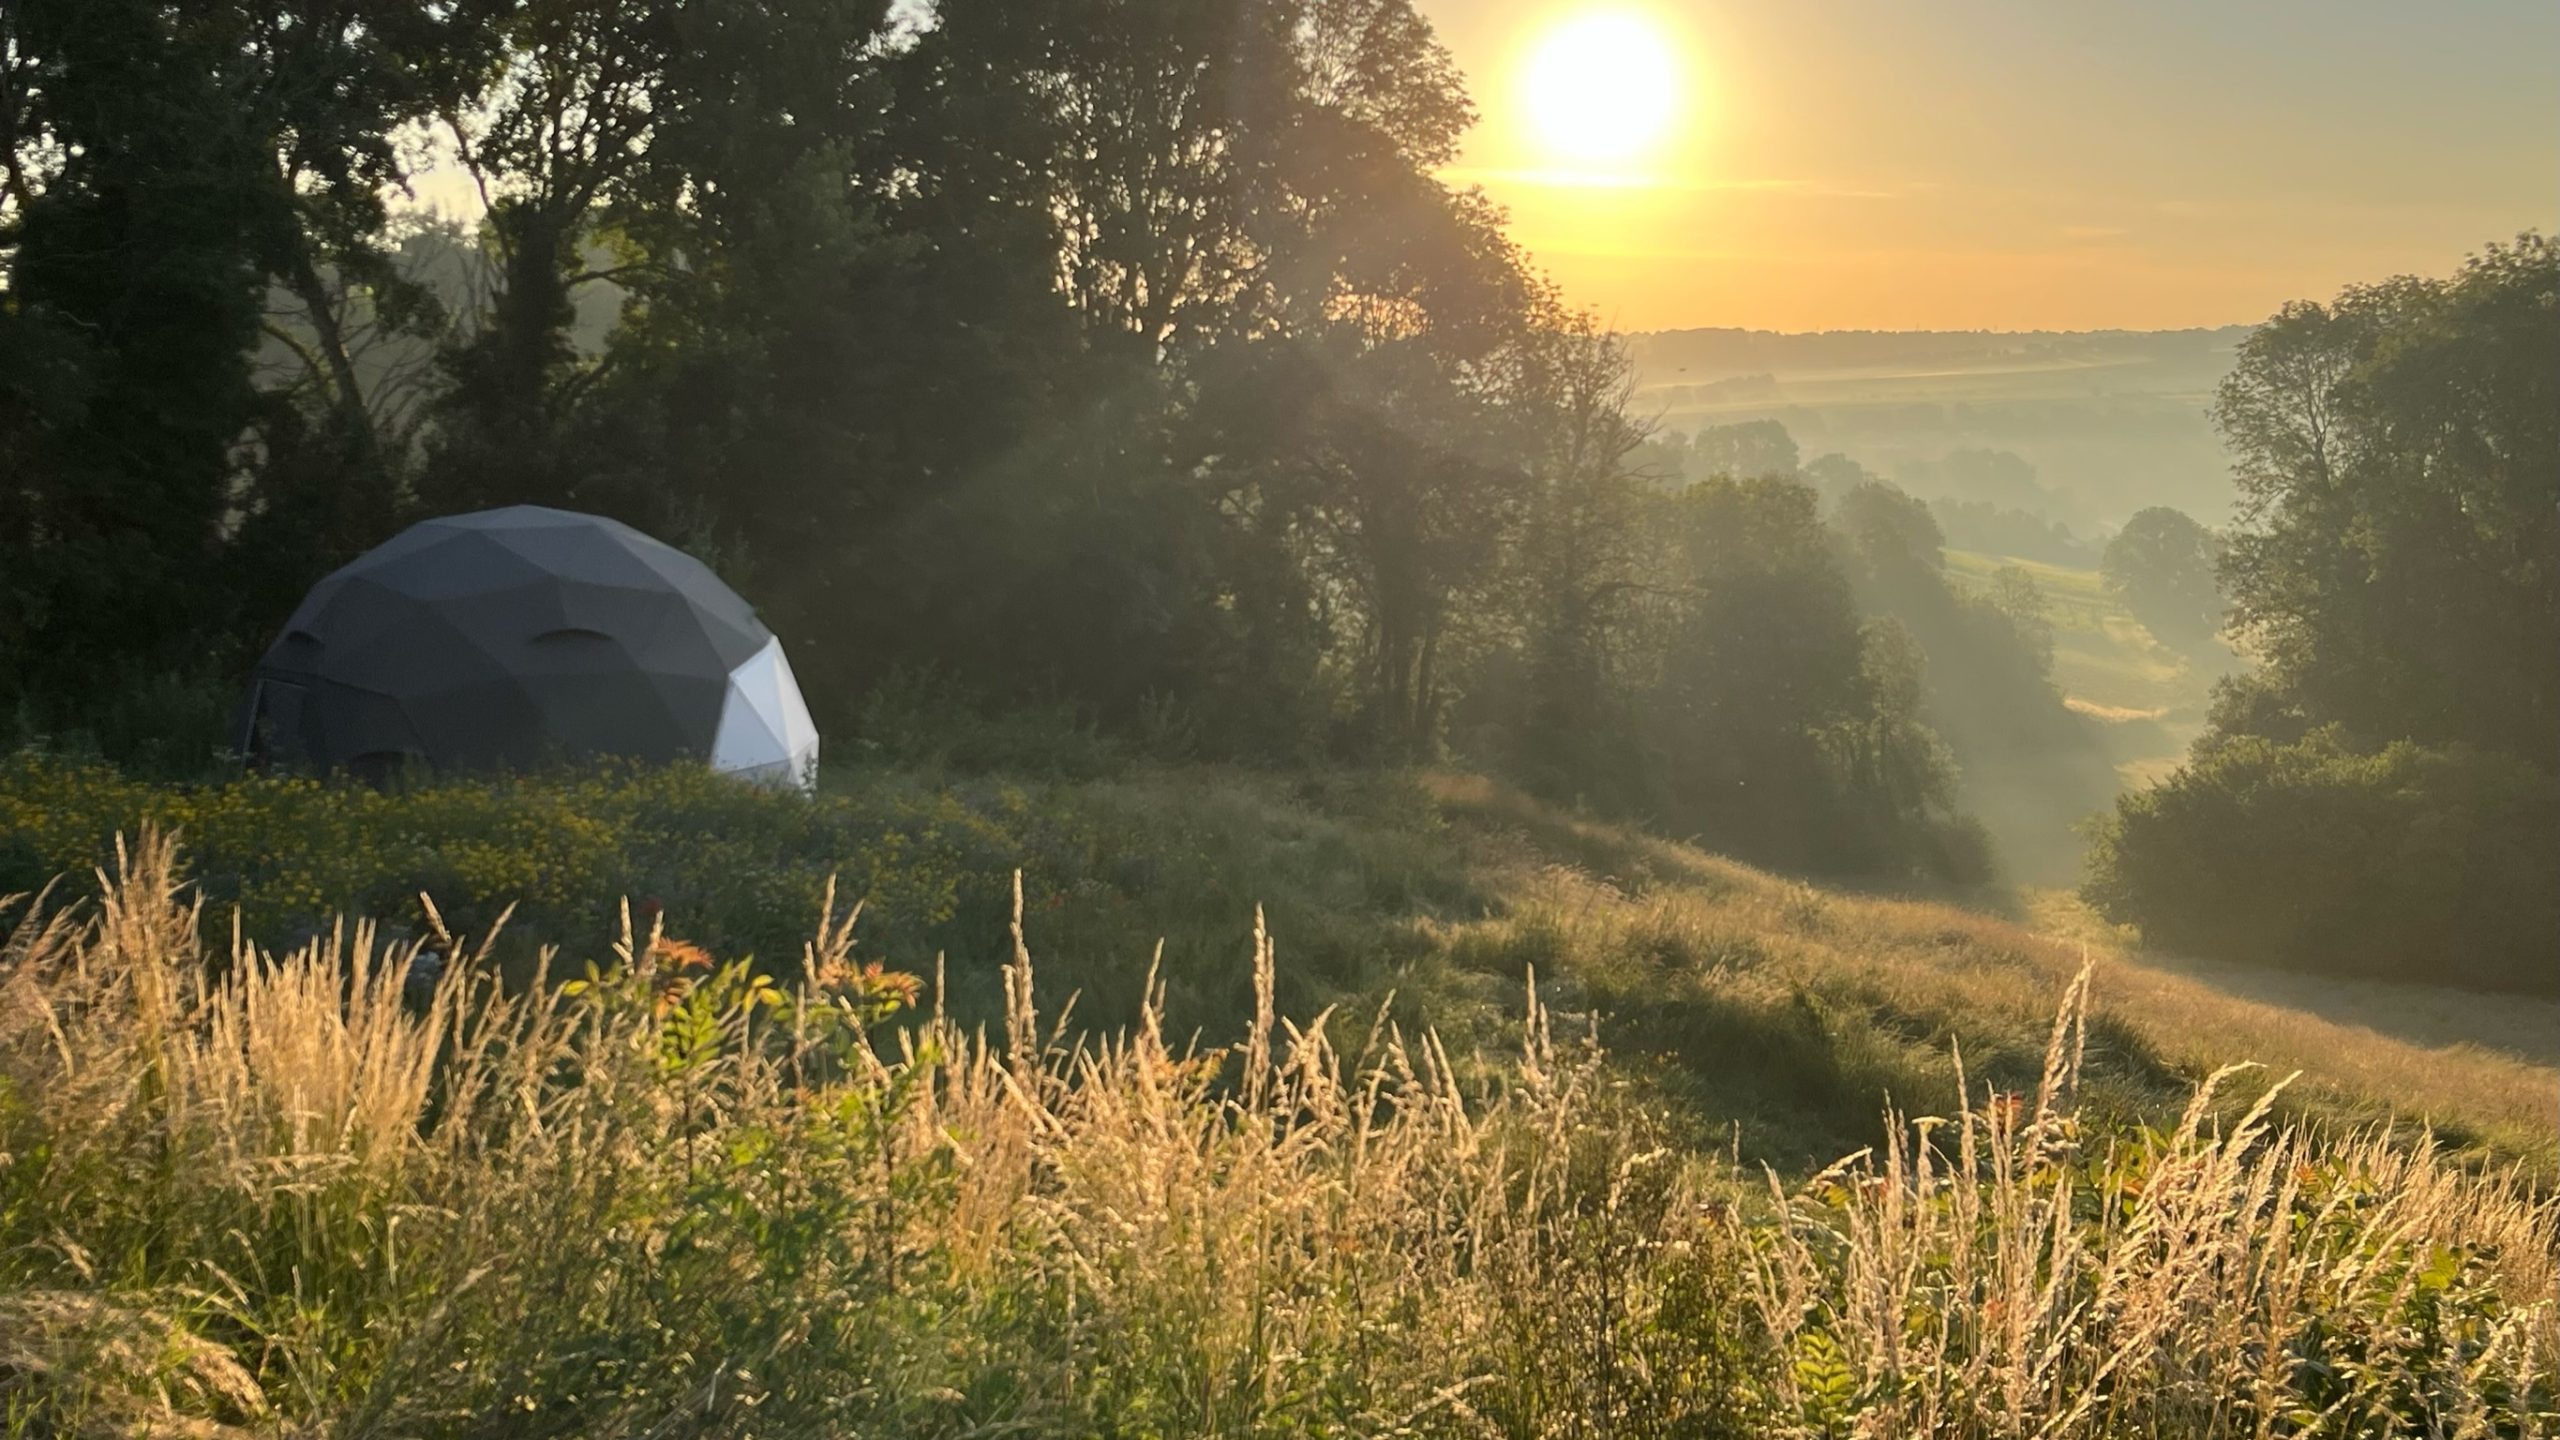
2114 420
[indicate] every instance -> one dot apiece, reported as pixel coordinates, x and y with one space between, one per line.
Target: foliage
1767 685
330 1190
1986 528
2379 799
2162 565
2400 474
1750 450
2027 766
1128 362
173 175
746 864
2413 862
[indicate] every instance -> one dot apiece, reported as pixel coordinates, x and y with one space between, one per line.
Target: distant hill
2112 420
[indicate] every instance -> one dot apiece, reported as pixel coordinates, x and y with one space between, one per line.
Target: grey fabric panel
349 723
728 622
590 554
467 564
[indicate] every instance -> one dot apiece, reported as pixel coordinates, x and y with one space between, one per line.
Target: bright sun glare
1602 86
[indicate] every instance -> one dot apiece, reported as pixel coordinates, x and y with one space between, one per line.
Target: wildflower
884 990
673 954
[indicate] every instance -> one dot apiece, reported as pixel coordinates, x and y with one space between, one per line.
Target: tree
182 182
2397 560
136 197
2163 566
1986 529
2380 797
1890 533
1580 566
1834 476
1999 477
1131 355
1744 451
2015 594
1776 725
563 130
2030 767
2401 861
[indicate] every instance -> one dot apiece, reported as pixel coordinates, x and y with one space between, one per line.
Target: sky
2004 164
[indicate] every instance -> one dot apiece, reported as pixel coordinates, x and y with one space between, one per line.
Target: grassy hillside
680 1198
1750 1009
1788 1010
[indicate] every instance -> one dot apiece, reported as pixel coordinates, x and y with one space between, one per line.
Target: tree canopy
2163 564
2383 796
2397 560
1129 355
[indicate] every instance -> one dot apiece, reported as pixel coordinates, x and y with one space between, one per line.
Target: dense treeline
1120 354
2383 795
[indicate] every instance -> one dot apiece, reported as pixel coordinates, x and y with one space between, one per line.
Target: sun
1602 87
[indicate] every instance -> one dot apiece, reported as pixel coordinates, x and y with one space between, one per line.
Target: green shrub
1110 868
923 719
162 724
2408 863
739 867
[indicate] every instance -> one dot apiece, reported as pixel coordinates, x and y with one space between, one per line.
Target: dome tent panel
724 620
765 730
590 556
411 650
296 723
511 638
491 724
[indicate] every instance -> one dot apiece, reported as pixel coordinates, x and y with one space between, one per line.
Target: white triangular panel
766 734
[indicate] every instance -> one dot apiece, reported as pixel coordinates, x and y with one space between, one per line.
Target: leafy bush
168 725
2406 862
927 719
745 866
1110 868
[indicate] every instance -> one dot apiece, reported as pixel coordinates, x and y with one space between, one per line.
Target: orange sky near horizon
2001 165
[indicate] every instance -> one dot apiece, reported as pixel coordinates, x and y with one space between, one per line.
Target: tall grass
341 1191
2006 1272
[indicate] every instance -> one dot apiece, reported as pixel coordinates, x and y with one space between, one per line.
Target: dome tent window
511 638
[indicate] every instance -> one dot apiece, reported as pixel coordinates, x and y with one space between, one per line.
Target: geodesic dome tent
510 638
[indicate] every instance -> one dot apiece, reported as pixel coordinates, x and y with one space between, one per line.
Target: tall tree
1778 726
580 93
2398 455
1581 563
2162 565
1743 451
138 194
2029 766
